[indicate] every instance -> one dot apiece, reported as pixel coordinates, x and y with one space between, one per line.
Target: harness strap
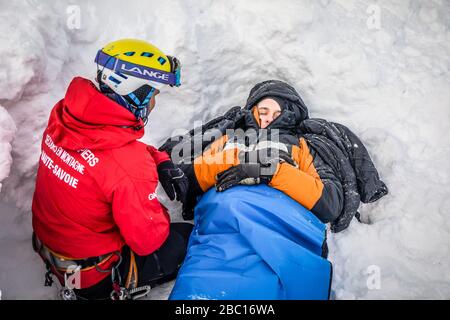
62 263
58 265
129 291
132 278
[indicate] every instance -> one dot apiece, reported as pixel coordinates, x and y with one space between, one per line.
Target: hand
266 156
257 166
247 173
173 180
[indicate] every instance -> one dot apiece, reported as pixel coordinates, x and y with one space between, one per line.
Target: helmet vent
129 54
161 60
147 54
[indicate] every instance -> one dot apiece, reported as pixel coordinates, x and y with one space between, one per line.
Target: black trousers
159 267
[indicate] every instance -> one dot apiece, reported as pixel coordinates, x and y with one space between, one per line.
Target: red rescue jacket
96 184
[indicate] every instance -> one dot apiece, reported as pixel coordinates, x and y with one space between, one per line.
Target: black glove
256 167
188 208
247 173
266 157
173 180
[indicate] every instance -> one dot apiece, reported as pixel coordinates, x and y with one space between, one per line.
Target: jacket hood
279 89
85 118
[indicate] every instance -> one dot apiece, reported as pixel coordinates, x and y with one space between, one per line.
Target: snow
7 130
379 67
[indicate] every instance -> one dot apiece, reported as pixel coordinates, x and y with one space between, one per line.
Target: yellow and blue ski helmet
126 65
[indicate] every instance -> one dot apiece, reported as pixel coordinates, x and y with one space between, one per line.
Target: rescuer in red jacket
97 221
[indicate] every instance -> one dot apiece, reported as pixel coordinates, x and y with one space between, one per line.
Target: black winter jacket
340 158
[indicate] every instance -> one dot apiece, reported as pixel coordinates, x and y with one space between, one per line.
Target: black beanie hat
281 102
290 99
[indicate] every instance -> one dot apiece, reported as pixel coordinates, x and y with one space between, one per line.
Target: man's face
268 110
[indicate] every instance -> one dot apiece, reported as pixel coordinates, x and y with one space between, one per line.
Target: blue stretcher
254 242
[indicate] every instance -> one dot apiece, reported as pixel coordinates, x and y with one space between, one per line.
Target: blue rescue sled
254 242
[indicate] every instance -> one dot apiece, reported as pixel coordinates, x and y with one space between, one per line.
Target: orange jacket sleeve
213 161
304 184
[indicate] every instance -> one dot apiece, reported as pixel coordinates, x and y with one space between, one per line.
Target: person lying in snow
95 205
322 165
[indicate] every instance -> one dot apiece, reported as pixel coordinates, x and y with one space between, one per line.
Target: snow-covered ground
379 67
